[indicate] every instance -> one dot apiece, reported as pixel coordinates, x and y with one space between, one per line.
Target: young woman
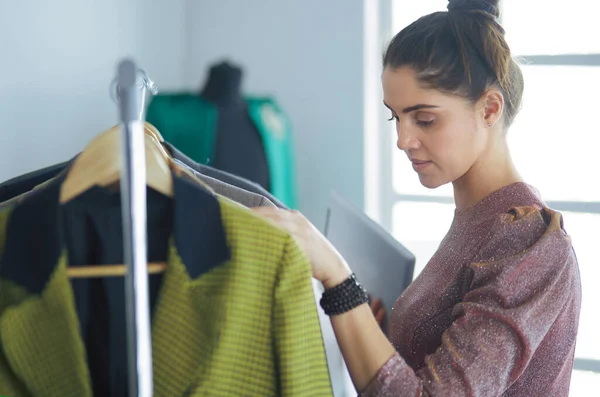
495 311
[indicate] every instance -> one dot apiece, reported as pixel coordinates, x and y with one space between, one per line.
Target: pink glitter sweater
495 312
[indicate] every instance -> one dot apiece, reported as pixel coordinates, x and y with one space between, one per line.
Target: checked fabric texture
247 327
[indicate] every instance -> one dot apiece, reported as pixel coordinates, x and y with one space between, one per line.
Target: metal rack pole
133 204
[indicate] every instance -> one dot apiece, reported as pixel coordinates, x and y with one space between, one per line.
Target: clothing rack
132 98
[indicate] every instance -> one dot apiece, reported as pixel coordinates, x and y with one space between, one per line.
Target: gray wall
58 59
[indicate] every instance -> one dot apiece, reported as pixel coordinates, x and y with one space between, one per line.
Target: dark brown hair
461 51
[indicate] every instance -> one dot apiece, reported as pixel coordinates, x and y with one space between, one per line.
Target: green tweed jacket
235 315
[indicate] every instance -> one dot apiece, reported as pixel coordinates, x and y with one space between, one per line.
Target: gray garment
230 179
239 195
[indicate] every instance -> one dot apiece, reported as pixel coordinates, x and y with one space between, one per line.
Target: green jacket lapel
41 342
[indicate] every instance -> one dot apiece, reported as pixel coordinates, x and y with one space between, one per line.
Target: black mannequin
238 149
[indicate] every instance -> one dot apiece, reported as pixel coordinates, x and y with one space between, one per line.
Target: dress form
239 148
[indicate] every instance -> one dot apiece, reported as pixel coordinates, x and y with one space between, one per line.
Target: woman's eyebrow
413 108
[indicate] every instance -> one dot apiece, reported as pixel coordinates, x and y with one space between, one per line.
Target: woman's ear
492 106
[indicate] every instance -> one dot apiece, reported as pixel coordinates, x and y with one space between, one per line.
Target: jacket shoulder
245 227
259 241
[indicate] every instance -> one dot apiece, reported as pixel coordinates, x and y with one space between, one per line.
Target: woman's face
442 135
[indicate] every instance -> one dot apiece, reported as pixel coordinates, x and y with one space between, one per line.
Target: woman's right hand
328 266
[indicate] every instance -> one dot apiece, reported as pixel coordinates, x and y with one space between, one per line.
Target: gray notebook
383 265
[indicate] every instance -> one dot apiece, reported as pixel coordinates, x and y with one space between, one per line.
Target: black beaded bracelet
344 297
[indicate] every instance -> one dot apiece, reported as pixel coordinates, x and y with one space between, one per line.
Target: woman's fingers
266 212
327 263
378 311
272 214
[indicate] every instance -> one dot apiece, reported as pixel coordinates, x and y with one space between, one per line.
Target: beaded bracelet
344 297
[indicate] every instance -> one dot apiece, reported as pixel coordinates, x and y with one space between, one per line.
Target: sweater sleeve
522 279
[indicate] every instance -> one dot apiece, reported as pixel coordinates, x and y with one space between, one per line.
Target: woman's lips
419 165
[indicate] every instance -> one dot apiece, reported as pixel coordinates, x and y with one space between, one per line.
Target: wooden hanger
175 166
154 132
102 271
100 164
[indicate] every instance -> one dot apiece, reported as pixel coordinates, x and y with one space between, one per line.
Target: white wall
57 59
308 54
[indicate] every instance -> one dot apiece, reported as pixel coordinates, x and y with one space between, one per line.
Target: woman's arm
362 342
364 346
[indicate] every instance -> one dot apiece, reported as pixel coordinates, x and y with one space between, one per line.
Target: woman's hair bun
489 6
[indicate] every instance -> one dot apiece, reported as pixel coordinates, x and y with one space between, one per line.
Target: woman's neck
488 174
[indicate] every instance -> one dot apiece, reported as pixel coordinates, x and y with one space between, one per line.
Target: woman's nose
406 139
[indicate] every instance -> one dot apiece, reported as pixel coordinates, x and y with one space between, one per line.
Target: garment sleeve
521 280
299 347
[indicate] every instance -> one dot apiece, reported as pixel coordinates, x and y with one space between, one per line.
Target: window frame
380 196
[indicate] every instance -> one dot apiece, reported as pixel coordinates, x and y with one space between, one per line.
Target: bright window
542 27
555 143
556 122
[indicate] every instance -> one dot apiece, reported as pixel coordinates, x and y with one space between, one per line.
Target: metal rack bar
133 204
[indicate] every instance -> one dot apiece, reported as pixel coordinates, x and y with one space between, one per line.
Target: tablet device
382 265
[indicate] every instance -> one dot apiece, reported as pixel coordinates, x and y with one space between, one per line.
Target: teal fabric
190 123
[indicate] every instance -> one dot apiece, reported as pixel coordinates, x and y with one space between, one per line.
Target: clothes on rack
189 122
93 235
233 314
241 196
232 192
225 177
238 189
23 183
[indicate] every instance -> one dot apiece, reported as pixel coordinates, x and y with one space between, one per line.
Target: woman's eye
394 118
424 123
424 120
